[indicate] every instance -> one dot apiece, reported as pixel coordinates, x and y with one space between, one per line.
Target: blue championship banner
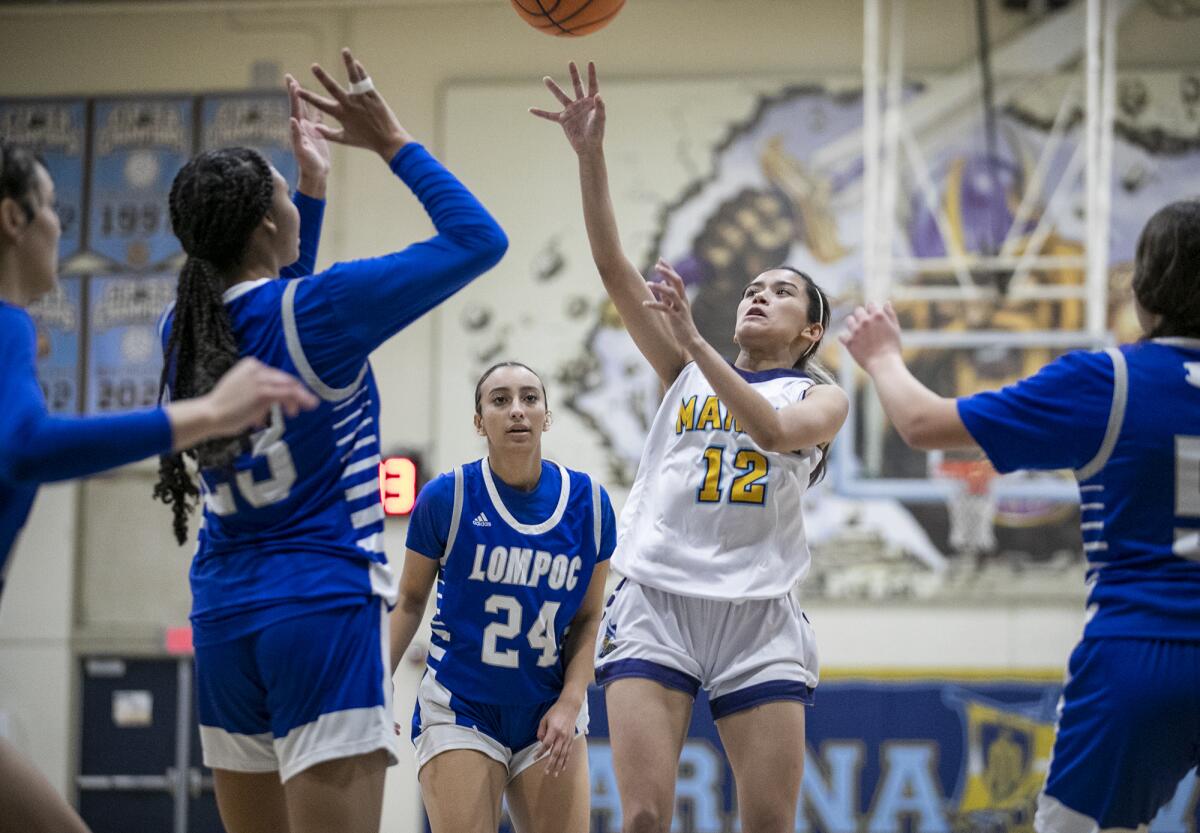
59 319
137 148
124 357
886 756
57 131
253 120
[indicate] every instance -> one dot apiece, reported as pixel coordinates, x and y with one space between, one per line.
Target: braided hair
216 202
1166 273
818 313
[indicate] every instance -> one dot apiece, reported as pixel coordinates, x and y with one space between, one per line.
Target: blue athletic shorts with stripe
743 653
1128 732
298 692
443 721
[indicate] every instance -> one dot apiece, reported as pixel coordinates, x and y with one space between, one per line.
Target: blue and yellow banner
59 319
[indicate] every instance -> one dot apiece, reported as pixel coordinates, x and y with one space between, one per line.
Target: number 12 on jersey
749 486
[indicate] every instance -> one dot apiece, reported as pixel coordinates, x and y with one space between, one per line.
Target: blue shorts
298 692
1128 732
443 721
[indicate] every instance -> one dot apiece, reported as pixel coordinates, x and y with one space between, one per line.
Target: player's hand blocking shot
712 538
1126 420
290 582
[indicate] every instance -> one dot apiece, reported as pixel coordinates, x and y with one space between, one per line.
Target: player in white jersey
712 540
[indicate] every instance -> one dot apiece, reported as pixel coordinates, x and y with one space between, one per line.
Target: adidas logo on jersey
481 520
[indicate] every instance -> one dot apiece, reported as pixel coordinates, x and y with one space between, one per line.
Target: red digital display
399 480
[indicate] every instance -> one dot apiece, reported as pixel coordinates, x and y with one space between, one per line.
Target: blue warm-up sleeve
312 214
36 447
1055 419
344 313
429 523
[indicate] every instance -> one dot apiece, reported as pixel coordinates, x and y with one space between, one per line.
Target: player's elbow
491 244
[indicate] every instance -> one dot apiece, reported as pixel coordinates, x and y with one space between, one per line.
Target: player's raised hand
244 396
582 117
309 145
871 333
556 734
670 298
366 119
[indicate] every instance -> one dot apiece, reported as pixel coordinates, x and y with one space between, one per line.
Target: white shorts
743 653
443 721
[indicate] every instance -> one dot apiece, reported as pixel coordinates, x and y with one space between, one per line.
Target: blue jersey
1127 421
296 524
36 447
515 567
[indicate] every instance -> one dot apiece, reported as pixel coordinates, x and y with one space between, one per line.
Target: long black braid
818 312
216 202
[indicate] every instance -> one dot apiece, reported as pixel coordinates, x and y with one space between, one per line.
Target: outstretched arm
923 419
365 302
39 448
814 420
313 162
582 120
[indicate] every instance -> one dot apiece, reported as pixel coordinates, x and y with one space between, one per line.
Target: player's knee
646 818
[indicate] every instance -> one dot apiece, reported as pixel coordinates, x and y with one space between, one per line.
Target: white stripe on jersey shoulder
162 320
291 335
528 529
1116 416
1179 341
597 515
455 511
239 289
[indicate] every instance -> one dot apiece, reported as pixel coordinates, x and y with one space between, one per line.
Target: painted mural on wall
783 189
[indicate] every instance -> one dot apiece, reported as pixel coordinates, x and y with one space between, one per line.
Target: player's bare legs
250 802
765 746
345 795
28 804
647 723
543 803
462 789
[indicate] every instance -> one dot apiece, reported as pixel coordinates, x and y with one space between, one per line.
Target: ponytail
217 200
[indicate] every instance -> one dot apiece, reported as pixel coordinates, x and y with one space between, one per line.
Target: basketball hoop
971 506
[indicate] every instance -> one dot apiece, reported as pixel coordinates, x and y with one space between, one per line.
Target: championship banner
255 120
124 357
57 131
886 756
137 148
59 319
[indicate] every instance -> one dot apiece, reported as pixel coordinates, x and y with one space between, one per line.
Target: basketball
567 18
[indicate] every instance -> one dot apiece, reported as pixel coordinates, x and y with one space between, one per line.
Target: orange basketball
567 18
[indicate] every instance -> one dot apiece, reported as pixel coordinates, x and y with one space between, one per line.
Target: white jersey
712 514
